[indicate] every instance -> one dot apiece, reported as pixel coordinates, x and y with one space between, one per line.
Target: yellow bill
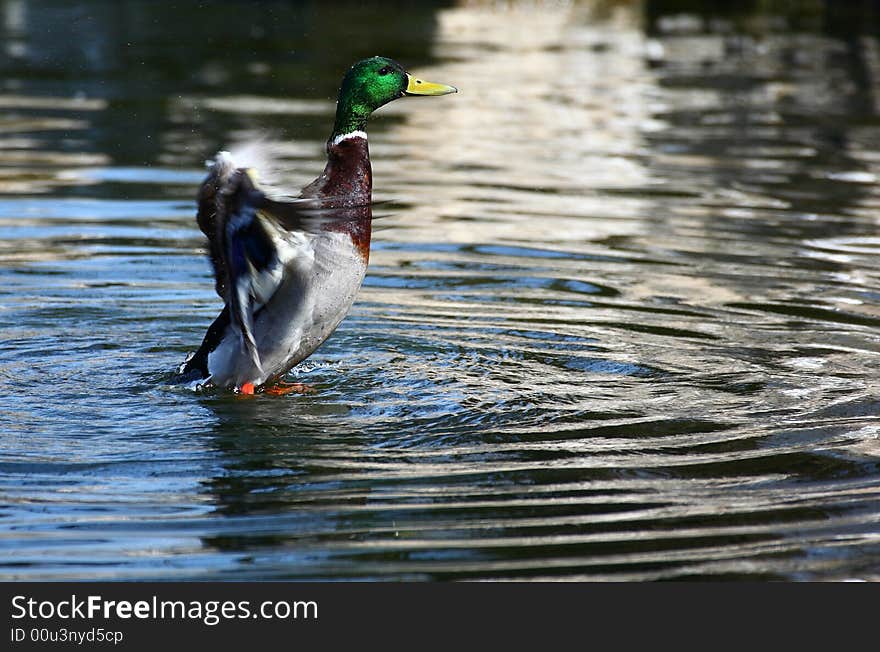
418 87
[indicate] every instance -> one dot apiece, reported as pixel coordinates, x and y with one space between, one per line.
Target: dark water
622 323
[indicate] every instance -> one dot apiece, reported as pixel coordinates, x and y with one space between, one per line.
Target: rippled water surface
622 318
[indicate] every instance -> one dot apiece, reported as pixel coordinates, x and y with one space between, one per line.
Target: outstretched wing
249 255
215 196
219 172
252 237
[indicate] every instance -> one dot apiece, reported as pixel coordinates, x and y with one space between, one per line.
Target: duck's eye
386 70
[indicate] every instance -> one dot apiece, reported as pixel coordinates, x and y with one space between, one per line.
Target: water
621 320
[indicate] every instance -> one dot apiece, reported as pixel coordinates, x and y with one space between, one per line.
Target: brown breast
346 184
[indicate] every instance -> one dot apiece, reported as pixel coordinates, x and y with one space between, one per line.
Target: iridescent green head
372 83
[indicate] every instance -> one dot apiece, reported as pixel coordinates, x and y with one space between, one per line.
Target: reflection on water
620 324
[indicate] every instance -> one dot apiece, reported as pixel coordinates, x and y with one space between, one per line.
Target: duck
288 269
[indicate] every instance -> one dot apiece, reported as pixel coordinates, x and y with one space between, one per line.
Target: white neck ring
348 136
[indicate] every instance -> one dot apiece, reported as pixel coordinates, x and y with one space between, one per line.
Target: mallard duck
289 270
